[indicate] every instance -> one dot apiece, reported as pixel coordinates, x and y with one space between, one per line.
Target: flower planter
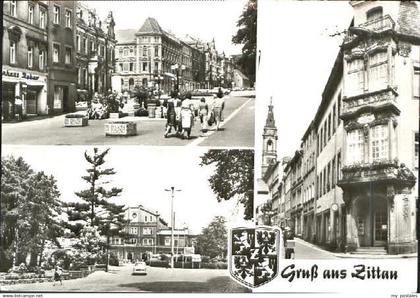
75 121
120 128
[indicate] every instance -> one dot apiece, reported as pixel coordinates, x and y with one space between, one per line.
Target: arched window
270 145
374 13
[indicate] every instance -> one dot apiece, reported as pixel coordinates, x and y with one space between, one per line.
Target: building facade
95 51
25 57
148 234
352 185
62 75
154 58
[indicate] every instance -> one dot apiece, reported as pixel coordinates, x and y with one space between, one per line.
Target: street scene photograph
169 73
338 148
92 219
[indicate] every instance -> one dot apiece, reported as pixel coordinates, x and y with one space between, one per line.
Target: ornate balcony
370 102
376 26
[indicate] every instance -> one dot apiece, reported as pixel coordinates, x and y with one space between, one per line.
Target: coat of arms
254 255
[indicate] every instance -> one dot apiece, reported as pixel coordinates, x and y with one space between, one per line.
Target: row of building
352 184
153 57
52 52
150 234
58 52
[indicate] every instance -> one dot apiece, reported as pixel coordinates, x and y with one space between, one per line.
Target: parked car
139 268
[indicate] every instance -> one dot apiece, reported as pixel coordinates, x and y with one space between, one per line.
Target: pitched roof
150 26
125 35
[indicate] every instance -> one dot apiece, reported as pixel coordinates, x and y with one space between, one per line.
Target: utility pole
172 190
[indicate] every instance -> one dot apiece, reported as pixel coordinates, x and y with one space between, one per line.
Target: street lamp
158 79
172 190
176 67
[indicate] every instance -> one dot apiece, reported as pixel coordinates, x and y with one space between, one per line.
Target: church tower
269 155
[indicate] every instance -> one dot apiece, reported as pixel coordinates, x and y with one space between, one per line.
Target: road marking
233 114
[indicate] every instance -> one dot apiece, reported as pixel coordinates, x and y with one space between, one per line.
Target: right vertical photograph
337 119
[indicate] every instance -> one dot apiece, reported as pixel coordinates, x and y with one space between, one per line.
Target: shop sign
18 74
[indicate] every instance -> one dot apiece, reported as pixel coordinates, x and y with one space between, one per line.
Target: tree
29 212
212 241
247 36
233 177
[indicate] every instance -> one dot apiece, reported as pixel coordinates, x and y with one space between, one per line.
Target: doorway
380 220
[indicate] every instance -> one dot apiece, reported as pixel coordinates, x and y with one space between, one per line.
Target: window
167 241
56 53
147 242
378 73
131 66
156 51
338 166
157 39
416 83
56 14
156 66
355 146
78 43
125 68
329 126
79 75
374 14
102 50
120 52
355 77
68 56
85 76
13 8
144 68
42 18
68 18
333 177
133 230
328 177
379 142
144 51
334 123
338 109
30 14
416 150
324 186
12 52
121 66
30 57
85 45
131 51
41 59
147 231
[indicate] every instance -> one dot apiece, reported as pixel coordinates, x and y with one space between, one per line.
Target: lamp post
158 79
177 67
172 190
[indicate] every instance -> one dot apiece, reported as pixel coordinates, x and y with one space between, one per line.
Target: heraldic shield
254 255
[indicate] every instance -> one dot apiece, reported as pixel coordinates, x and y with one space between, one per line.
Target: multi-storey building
154 58
24 58
62 74
148 234
95 51
365 139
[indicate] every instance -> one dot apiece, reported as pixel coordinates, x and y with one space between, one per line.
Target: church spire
270 115
269 155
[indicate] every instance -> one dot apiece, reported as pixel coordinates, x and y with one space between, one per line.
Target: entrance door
31 97
380 219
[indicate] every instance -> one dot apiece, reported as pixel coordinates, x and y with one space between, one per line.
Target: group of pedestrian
288 242
101 107
11 108
181 114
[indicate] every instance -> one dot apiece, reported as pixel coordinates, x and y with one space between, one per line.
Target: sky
203 19
297 55
144 173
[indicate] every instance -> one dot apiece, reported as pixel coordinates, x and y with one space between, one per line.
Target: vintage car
139 268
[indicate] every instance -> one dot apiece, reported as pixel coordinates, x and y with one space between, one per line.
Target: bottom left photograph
121 219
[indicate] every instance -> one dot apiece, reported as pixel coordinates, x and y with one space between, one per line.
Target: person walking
203 111
58 272
18 108
171 116
187 118
219 105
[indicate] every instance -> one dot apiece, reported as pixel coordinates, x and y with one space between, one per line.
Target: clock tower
269 155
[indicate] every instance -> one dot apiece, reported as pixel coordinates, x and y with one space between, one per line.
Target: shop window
56 53
355 77
378 73
416 82
355 146
56 15
42 18
379 142
41 59
30 57
68 18
13 4
30 14
68 56
12 52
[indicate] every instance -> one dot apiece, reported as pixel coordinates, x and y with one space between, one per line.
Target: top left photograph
160 73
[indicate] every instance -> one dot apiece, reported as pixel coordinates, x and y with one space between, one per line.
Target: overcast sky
297 55
203 19
144 173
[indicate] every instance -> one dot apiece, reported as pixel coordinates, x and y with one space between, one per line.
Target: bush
216 265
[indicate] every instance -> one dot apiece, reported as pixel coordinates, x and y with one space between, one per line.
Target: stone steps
374 250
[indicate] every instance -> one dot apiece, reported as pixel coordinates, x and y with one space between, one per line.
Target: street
237 130
305 250
119 279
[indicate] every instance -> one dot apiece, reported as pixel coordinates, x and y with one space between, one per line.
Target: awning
168 74
35 83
